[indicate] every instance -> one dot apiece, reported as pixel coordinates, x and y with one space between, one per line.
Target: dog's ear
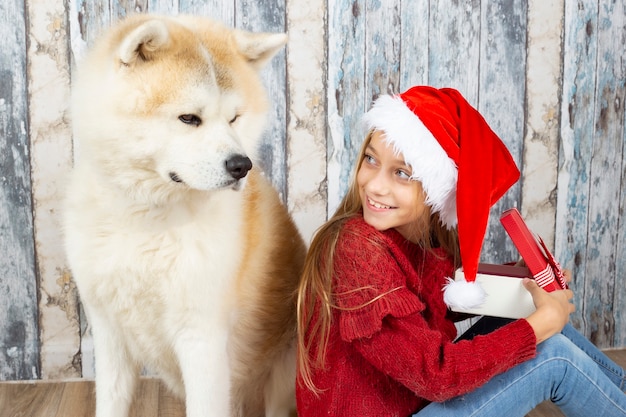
258 48
143 42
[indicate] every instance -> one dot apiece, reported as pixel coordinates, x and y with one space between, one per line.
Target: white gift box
506 296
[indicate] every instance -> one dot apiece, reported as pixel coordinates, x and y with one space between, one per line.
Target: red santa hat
463 166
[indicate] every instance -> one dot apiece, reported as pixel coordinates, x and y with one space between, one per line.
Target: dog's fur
184 264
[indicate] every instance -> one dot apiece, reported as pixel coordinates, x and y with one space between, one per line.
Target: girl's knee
558 346
560 352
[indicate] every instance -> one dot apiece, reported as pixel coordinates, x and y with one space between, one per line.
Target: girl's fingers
567 275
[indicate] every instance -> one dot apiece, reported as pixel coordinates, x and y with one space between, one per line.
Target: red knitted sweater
391 349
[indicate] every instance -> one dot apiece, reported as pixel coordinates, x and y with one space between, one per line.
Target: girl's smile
390 198
377 206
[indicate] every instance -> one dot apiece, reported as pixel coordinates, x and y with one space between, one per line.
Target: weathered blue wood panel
346 92
163 6
414 43
19 341
382 48
576 151
501 101
216 9
454 46
619 305
93 18
604 182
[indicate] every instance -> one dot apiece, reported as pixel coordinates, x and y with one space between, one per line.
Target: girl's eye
369 159
234 119
190 119
403 174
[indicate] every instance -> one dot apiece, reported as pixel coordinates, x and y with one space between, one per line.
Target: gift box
542 265
506 296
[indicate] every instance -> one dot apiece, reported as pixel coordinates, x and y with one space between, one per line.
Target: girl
375 335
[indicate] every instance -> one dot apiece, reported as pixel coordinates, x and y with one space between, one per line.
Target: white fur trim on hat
463 295
429 163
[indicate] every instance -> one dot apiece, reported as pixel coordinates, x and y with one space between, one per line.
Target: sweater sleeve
433 367
370 283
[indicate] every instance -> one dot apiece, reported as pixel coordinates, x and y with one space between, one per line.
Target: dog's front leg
116 372
204 364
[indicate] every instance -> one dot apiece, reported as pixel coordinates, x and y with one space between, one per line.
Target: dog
186 261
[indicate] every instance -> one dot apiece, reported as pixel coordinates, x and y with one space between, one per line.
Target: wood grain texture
589 217
577 106
306 121
77 399
478 48
619 296
382 46
454 46
541 137
501 102
19 343
216 9
606 172
414 43
345 92
31 399
165 6
51 141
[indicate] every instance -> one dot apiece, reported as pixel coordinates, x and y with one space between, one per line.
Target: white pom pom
463 295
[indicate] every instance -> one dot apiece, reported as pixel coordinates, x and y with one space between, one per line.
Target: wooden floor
76 398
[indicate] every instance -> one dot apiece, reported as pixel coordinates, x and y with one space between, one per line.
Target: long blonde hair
316 284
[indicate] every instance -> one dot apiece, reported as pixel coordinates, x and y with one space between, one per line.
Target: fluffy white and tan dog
185 259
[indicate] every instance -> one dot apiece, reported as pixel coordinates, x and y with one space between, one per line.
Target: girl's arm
433 367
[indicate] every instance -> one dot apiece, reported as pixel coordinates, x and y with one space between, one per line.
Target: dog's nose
238 166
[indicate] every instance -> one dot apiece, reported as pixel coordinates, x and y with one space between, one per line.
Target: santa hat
463 166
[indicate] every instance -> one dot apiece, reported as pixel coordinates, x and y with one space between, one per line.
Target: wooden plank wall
19 335
591 165
548 76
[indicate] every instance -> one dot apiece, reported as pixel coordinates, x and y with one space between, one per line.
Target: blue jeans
568 370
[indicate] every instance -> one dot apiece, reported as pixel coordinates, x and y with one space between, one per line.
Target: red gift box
542 265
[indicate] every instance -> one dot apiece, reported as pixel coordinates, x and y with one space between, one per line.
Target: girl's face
389 197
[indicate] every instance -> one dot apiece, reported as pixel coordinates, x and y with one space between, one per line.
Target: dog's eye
190 119
234 119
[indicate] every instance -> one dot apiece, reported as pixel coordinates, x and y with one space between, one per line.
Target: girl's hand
567 275
552 309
